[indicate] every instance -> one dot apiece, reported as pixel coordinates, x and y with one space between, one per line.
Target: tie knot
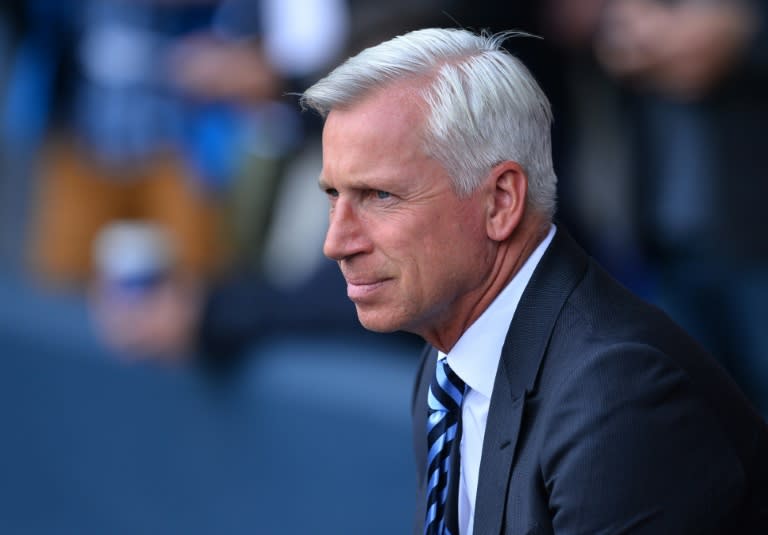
447 389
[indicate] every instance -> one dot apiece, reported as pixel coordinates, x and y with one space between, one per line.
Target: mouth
358 290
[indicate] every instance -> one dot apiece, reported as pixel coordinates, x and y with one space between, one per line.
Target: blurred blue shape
308 436
27 100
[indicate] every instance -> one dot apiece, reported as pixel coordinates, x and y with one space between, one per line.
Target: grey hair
484 106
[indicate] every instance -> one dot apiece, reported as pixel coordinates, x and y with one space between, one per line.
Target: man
580 409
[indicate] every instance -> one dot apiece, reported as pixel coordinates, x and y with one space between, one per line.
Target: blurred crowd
153 157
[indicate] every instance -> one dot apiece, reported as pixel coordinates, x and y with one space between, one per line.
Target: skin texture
416 256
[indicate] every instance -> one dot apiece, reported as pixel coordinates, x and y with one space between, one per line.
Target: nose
346 235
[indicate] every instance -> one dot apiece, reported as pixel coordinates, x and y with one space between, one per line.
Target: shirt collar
475 356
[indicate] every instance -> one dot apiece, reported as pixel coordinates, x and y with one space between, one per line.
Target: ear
508 186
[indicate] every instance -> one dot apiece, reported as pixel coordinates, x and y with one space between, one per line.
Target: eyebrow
359 185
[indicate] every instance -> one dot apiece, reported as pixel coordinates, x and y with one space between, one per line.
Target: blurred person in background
164 111
694 82
165 114
112 146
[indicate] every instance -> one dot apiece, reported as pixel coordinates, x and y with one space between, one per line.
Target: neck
509 258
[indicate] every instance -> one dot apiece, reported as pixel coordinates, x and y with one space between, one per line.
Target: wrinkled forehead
394 113
408 94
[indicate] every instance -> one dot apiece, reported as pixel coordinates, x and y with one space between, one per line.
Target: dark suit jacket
606 418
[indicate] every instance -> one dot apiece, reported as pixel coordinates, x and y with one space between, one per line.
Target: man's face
415 256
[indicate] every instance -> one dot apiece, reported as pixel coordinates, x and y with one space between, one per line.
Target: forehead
393 113
383 129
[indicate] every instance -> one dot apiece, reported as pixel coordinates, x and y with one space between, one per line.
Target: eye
382 194
332 192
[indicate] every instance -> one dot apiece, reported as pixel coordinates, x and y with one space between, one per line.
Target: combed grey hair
483 105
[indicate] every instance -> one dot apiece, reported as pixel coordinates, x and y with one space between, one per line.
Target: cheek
466 251
449 262
435 251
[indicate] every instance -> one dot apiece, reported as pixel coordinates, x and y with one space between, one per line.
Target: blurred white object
133 255
304 36
301 37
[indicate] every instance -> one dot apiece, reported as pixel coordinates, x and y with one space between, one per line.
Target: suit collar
560 269
562 266
475 356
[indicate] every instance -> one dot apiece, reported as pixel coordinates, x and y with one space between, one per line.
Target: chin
379 322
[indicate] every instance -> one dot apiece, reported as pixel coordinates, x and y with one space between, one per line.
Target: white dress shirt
475 359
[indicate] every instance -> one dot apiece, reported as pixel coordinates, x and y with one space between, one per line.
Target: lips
361 289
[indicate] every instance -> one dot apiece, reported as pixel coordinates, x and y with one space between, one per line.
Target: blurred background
176 356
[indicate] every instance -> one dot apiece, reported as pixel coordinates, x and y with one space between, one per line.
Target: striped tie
444 400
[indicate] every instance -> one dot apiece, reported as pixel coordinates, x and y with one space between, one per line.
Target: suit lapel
558 272
498 454
419 422
419 407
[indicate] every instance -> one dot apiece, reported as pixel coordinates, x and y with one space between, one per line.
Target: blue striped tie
444 400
